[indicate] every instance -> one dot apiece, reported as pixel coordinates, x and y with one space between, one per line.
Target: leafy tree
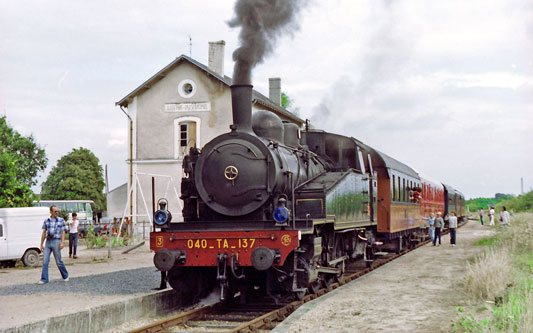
28 156
77 176
288 103
20 161
522 203
13 193
477 203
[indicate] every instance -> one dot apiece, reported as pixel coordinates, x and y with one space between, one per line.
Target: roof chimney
274 84
216 57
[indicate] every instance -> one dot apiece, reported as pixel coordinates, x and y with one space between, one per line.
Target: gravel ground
94 280
418 292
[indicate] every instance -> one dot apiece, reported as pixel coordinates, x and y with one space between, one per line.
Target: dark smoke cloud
261 22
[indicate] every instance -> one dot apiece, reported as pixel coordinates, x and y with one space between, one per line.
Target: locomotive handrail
310 180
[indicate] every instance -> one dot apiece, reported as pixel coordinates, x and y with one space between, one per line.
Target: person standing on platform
481 215
439 224
431 221
491 214
452 224
73 236
54 229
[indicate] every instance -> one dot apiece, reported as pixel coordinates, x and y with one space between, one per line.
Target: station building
184 105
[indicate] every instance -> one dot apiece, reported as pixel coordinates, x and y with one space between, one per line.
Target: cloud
117 138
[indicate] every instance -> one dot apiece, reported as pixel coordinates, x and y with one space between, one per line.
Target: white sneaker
41 282
67 279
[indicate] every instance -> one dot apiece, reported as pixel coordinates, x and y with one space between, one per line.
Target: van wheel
31 258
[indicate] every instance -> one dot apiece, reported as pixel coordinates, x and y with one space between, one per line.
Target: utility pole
522 185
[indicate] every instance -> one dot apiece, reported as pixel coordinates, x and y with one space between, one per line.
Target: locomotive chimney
241 102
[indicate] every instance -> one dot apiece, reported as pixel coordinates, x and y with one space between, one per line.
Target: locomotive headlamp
281 213
162 217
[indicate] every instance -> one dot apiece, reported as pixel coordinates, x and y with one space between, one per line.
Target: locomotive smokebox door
233 177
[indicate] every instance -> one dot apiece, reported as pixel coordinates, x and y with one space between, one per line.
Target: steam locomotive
271 208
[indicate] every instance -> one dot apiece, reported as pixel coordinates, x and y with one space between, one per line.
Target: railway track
257 316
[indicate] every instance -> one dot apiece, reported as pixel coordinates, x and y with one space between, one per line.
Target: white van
20 234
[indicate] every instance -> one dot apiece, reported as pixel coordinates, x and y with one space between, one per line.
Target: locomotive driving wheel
187 284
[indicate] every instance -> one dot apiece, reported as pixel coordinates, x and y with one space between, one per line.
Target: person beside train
431 222
452 225
439 224
481 215
505 218
491 215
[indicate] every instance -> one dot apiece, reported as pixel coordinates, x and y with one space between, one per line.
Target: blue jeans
432 233
52 245
481 219
72 242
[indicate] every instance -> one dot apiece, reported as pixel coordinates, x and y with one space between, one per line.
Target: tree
13 193
20 161
288 103
77 176
28 156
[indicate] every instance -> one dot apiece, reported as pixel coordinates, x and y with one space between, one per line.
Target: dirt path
416 293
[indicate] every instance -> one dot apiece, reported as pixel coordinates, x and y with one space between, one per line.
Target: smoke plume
261 22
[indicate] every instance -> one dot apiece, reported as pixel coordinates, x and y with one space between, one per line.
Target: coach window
397 193
404 190
186 135
393 188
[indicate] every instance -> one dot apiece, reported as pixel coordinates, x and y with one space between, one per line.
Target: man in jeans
452 221
439 224
54 229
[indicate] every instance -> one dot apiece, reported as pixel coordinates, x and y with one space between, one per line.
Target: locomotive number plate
221 243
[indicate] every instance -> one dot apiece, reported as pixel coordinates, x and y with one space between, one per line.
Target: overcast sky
443 86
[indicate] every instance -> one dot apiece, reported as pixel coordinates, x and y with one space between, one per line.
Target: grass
489 275
503 276
489 241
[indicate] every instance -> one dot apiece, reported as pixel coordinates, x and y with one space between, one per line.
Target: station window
186 135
